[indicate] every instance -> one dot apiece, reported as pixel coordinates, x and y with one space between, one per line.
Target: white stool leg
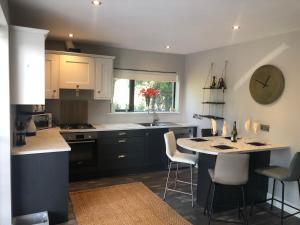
176 176
166 187
192 191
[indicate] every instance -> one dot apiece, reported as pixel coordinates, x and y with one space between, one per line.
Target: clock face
266 84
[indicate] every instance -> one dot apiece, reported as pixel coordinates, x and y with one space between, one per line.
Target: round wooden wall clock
266 84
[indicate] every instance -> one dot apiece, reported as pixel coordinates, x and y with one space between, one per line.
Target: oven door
83 153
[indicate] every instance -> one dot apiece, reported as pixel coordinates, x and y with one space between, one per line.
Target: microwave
42 121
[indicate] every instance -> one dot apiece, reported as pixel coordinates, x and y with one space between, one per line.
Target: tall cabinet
27 65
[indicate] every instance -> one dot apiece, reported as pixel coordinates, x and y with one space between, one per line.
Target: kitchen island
207 148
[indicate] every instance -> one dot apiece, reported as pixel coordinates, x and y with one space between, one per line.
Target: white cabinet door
103 79
27 65
77 72
52 76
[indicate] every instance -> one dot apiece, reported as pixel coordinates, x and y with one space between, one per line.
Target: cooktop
76 126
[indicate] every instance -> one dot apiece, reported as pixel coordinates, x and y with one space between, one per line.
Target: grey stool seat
282 174
230 170
275 172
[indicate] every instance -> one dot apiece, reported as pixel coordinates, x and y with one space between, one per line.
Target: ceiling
187 25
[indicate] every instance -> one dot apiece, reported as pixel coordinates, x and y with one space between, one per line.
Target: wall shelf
199 116
214 103
209 88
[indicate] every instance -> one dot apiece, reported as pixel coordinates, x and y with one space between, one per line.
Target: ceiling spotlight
235 27
96 2
168 47
71 35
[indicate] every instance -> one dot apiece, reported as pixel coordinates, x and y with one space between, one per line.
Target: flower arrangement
149 93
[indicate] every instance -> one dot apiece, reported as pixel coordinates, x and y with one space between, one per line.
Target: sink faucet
155 118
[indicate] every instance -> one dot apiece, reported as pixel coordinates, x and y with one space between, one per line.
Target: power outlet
265 127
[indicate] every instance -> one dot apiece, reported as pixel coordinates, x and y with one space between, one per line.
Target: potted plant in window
149 93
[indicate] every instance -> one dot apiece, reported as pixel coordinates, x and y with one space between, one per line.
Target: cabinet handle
54 91
99 92
121 156
77 86
122 133
122 141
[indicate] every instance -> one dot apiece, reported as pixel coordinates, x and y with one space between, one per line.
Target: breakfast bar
209 147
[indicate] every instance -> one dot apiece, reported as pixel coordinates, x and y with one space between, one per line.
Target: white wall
282 51
5 145
99 111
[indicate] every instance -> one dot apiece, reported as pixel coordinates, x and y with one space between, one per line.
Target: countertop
50 140
45 141
241 146
127 126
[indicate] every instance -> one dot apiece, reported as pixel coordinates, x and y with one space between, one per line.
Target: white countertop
241 146
127 126
45 141
50 140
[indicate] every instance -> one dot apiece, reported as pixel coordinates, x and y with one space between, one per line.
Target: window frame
131 99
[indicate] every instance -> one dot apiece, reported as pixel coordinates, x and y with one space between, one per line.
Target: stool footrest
182 192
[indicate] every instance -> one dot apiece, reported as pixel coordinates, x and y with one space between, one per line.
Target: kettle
30 127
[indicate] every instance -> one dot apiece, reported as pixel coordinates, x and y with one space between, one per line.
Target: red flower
149 92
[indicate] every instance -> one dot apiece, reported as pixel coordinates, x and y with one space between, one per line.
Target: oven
83 153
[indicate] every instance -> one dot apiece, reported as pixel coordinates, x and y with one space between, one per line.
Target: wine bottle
213 83
234 133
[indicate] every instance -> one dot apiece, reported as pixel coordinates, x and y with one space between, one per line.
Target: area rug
124 204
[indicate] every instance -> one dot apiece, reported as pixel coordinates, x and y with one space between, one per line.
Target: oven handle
81 142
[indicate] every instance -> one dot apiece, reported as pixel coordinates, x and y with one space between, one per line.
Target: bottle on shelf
213 83
234 133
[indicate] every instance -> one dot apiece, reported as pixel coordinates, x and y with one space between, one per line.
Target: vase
147 99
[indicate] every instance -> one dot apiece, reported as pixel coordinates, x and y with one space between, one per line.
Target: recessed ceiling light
71 35
168 46
96 2
235 27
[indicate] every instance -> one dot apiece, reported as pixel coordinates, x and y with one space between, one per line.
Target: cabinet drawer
114 146
121 133
122 161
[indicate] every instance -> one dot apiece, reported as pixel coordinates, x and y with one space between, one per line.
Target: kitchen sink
158 124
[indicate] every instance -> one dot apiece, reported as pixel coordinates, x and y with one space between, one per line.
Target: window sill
140 113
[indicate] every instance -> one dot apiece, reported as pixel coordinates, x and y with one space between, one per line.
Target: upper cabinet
27 65
68 70
52 76
77 72
103 78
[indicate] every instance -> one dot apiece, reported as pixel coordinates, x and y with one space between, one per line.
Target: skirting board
286 208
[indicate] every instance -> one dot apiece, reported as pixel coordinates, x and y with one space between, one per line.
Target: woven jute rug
125 204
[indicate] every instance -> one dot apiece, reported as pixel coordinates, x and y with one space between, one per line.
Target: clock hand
265 85
260 82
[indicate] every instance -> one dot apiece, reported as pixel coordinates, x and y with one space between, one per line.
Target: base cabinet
155 150
121 150
40 183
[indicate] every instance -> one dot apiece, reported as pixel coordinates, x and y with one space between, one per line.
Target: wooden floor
181 203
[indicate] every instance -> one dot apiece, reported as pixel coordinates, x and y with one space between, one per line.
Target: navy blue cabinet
40 183
118 150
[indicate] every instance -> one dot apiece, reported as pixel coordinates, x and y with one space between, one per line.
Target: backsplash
99 111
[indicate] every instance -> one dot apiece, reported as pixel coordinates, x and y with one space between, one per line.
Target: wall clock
266 84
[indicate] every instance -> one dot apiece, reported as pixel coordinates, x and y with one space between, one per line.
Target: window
127 87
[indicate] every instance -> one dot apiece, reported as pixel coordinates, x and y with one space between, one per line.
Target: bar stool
291 174
177 157
230 170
